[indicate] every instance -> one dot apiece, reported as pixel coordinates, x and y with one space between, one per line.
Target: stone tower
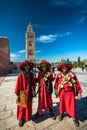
30 44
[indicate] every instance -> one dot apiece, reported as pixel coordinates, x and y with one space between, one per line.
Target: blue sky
60 28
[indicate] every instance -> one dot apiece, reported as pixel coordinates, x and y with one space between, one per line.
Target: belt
67 90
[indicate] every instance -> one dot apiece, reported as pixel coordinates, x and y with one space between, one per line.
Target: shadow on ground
81 111
46 114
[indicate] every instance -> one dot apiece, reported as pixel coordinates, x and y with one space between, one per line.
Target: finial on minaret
30 28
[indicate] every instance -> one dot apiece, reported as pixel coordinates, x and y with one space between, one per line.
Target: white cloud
81 20
67 3
39 26
15 57
47 39
12 55
64 34
21 51
37 51
68 33
51 38
18 56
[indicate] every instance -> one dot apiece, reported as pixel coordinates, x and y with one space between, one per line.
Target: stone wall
4 56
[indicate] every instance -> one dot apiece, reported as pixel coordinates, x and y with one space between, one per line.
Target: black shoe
32 118
76 122
29 119
60 117
37 115
21 123
52 115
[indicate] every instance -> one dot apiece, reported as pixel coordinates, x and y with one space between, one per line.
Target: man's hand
17 99
79 96
34 93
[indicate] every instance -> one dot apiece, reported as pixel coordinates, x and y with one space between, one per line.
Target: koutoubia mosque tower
30 44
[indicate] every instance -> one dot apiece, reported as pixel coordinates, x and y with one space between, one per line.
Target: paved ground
1 79
8 109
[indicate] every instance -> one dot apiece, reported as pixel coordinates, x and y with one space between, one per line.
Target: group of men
66 88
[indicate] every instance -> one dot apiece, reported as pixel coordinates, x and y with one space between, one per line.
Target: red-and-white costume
44 99
64 87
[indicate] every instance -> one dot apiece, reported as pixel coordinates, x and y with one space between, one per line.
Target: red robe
67 99
44 99
21 84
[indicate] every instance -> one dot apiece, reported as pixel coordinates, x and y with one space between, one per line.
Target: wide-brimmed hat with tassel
44 63
65 63
24 63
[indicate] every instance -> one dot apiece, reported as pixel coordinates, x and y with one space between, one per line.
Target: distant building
15 65
4 56
30 44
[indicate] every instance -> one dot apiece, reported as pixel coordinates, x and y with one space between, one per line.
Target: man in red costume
66 86
25 81
45 79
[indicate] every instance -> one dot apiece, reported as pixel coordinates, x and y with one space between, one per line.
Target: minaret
30 44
